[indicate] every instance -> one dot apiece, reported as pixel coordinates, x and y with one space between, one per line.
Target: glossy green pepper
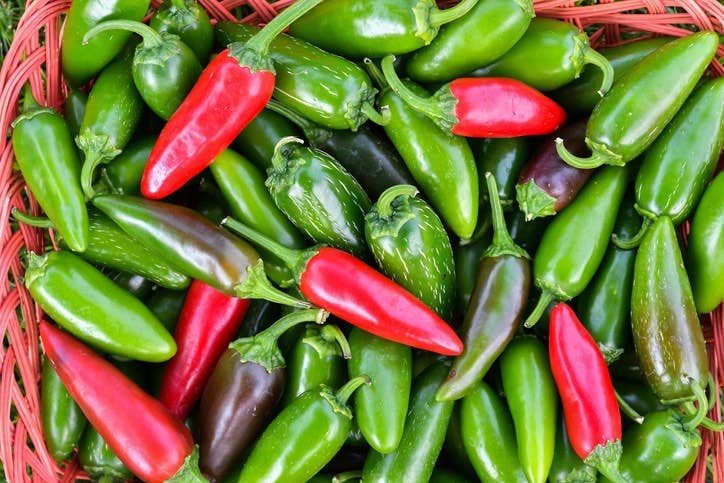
666 329
99 461
467 258
303 437
188 20
639 397
164 68
505 158
575 242
380 408
411 246
48 160
567 466
634 112
62 420
123 174
75 109
414 458
459 48
166 305
256 142
454 453
319 196
533 401
81 61
113 111
706 245
333 92
489 436
90 306
526 233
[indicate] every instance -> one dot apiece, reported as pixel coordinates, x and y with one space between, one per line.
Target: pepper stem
634 241
333 333
180 4
628 410
29 101
258 286
381 118
151 38
503 243
289 256
346 391
347 476
698 414
384 202
259 43
282 150
30 220
318 316
606 458
546 297
98 149
440 17
590 56
375 73
189 471
303 123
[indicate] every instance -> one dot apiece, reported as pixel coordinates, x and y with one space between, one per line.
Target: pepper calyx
600 154
252 58
189 471
584 474
391 212
606 458
258 286
98 149
534 201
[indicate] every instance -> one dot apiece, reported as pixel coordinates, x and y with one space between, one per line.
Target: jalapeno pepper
99 461
166 305
567 466
452 54
188 20
495 309
575 242
82 61
666 329
467 258
74 109
319 196
377 27
504 158
408 239
122 175
453 449
313 429
258 139
526 233
83 301
706 244
630 117
639 397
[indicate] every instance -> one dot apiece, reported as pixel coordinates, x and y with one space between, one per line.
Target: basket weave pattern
34 57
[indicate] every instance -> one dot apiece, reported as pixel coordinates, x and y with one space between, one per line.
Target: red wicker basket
34 56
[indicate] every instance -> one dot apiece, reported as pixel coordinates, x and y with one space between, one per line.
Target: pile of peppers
397 244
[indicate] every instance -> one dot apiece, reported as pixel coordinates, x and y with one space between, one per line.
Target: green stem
546 297
289 256
384 202
98 149
333 333
503 243
258 286
180 4
349 475
590 56
290 114
189 471
594 161
712 425
259 43
429 106
440 17
346 391
606 458
30 103
698 414
107 479
151 38
30 220
381 118
628 410
318 316
283 150
634 241
711 386
375 73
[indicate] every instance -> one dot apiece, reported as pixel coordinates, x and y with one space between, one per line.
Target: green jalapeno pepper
549 55
90 306
414 458
75 109
666 329
380 408
44 150
111 116
639 397
505 158
489 436
526 233
333 92
62 420
706 245
467 258
188 20
495 309
453 450
303 437
82 61
533 401
567 466
459 48
408 240
634 112
258 139
575 242
123 174
319 196
166 305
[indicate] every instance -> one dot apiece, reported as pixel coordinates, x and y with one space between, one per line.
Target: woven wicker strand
34 57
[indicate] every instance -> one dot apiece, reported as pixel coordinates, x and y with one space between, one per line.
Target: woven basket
34 56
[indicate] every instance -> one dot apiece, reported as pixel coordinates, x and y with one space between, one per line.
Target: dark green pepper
256 142
526 233
454 453
666 329
259 316
411 246
414 458
164 68
635 111
443 475
567 466
494 313
533 401
135 285
549 55
318 195
81 61
505 158
639 397
380 408
111 116
332 92
62 420
706 244
166 305
459 48
489 436
467 258
75 109
575 242
48 160
303 437
86 303
188 20
123 174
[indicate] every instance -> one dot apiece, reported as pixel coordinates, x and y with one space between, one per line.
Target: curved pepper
188 20
634 112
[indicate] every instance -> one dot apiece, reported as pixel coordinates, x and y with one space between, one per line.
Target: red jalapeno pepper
232 90
490 107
